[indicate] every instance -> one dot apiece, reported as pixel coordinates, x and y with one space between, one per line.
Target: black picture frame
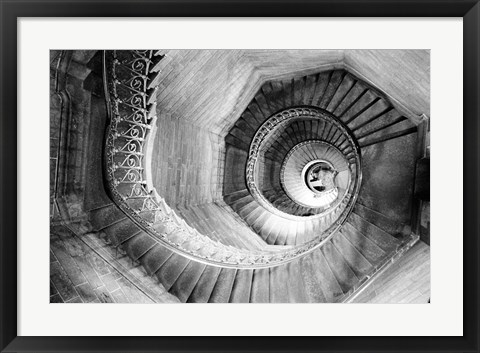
12 10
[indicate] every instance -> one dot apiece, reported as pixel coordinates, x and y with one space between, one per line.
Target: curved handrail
131 108
279 120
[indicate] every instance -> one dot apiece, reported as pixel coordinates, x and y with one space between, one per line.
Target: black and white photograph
240 176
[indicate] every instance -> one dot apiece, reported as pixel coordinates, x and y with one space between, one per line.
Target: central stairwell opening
310 196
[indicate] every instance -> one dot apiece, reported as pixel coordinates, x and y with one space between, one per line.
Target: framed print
239 177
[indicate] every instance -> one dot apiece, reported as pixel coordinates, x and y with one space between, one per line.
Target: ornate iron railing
349 149
130 91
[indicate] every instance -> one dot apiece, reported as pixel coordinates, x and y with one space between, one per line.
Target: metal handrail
128 77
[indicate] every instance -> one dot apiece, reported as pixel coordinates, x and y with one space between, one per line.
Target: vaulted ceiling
210 88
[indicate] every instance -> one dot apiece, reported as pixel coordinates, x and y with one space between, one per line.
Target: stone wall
185 165
83 266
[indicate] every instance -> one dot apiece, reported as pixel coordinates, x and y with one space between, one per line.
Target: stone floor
86 270
405 281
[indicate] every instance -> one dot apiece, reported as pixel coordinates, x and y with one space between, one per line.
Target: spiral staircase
305 165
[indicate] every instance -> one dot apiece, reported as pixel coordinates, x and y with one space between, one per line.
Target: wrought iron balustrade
130 90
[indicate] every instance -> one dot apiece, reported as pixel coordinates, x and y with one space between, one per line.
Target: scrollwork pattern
282 118
127 79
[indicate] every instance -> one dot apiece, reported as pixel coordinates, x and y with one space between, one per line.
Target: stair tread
184 285
296 287
298 89
326 279
343 273
278 284
350 99
105 216
357 262
380 220
241 287
122 231
371 251
322 83
138 245
374 233
223 287
375 111
155 258
204 287
260 292
386 119
313 288
333 85
171 270
363 103
311 81
345 86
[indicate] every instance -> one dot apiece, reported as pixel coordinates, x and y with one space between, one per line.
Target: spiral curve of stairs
296 183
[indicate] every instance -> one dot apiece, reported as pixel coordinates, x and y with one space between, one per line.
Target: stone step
248 119
258 114
298 88
394 228
260 224
235 141
138 246
260 292
343 89
255 213
263 104
272 230
343 273
188 279
300 235
204 287
273 94
120 232
383 121
296 286
223 286
381 238
155 258
333 85
104 217
363 103
350 99
234 196
171 270
278 284
246 129
377 110
248 208
241 287
240 203
406 281
252 119
356 261
287 233
402 128
321 86
308 92
371 251
326 278
311 281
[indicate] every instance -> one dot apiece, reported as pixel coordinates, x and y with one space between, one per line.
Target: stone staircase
325 275
367 114
330 273
406 281
216 221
